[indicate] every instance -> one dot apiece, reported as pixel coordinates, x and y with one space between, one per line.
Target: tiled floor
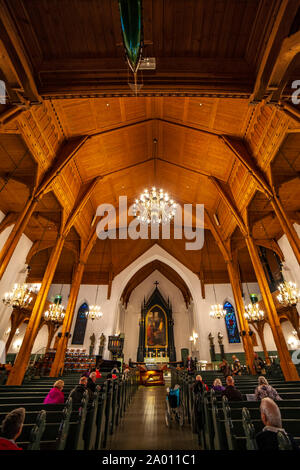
143 426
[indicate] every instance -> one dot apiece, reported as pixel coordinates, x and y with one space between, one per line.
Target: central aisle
144 428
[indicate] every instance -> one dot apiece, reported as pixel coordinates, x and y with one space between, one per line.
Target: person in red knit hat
11 429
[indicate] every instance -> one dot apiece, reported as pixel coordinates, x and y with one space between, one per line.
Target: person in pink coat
56 395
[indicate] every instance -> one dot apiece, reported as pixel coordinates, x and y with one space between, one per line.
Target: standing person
264 390
271 418
56 395
231 392
11 429
115 369
259 364
198 388
225 368
190 365
236 366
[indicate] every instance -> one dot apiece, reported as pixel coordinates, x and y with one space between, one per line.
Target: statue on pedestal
212 348
102 341
92 345
220 341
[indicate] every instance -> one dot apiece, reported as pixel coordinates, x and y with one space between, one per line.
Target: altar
156 360
156 336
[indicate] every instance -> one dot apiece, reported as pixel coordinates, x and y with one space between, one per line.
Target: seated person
264 390
77 393
217 386
232 393
11 429
199 386
91 384
56 395
236 366
271 417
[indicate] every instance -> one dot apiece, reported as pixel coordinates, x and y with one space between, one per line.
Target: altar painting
156 328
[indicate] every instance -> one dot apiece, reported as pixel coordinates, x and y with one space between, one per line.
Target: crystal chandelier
217 311
94 312
154 207
19 297
55 313
253 313
289 295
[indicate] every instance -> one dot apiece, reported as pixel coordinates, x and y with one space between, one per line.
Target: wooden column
17 318
17 373
67 323
286 226
240 309
259 328
16 233
288 368
52 329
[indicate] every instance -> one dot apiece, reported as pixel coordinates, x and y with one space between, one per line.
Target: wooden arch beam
226 198
240 151
65 155
9 219
148 269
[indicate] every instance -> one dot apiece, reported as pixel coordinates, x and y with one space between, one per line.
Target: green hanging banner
131 23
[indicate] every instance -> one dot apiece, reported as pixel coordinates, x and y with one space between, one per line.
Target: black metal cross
156 283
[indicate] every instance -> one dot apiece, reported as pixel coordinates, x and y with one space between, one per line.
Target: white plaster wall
87 293
12 274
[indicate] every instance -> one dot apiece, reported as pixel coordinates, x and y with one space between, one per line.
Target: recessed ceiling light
200 104
107 104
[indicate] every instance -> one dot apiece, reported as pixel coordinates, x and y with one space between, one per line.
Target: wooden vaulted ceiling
75 46
214 59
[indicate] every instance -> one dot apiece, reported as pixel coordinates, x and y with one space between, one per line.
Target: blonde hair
59 384
262 380
217 382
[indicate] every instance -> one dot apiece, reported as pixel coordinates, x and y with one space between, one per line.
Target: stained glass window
80 325
231 324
